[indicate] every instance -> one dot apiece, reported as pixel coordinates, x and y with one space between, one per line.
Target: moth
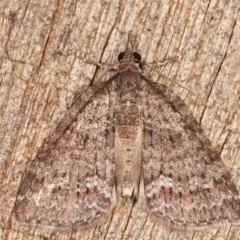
121 135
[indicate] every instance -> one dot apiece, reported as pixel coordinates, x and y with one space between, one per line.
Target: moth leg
162 63
101 65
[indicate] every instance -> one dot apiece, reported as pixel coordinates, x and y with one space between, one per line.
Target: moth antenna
173 81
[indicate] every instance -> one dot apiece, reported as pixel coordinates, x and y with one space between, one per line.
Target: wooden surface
40 75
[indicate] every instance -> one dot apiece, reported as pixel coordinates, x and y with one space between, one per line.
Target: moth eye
137 57
120 56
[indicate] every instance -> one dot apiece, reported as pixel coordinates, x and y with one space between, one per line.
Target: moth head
130 57
135 56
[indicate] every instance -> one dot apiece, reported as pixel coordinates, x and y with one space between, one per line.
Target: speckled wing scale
70 184
117 134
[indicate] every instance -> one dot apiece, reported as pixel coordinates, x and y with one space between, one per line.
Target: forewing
186 184
70 183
